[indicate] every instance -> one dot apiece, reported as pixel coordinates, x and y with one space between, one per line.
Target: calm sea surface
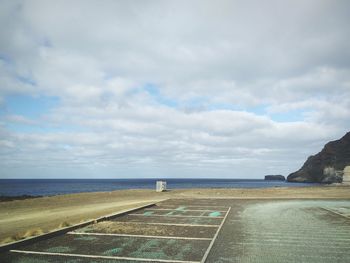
16 187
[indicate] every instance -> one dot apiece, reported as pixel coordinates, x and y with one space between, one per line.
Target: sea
49 187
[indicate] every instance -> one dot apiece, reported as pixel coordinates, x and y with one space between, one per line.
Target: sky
170 89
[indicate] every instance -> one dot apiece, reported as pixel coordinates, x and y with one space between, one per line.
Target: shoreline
15 188
30 217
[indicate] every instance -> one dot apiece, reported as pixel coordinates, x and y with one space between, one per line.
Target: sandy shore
24 218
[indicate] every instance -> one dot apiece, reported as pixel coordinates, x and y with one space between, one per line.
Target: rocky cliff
327 166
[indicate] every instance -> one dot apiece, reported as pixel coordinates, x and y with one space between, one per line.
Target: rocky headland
327 166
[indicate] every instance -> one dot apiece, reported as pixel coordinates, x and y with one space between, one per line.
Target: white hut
161 186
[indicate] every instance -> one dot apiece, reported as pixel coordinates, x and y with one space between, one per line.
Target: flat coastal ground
25 218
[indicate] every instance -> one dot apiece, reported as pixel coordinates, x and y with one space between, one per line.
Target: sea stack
276 177
328 166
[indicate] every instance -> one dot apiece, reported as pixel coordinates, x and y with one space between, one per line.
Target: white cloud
220 71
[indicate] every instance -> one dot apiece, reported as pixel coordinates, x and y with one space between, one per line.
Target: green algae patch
181 208
86 238
148 213
59 249
215 214
113 251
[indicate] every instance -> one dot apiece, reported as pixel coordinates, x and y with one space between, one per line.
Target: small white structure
329 171
346 175
161 186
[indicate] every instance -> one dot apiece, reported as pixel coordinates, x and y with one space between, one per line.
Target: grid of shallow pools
291 231
185 230
170 231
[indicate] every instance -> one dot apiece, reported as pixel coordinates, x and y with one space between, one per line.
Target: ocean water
47 187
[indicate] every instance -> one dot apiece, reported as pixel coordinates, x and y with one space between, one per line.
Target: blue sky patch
158 97
29 106
290 116
33 108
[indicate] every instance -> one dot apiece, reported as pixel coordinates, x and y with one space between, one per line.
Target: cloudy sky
129 89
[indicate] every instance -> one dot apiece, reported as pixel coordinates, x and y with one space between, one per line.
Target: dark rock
277 177
327 166
18 197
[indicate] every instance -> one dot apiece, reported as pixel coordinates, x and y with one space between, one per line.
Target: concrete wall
346 175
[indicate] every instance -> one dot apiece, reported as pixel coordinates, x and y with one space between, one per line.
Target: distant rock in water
277 177
327 166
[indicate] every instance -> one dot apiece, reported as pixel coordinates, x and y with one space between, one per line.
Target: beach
29 217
